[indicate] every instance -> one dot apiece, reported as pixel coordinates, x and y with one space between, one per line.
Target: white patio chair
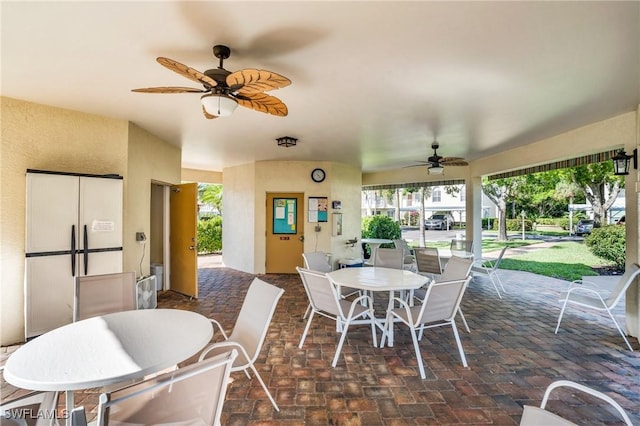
538 416
96 295
389 258
489 267
319 261
438 309
428 261
409 260
324 299
192 395
457 268
249 330
587 294
462 248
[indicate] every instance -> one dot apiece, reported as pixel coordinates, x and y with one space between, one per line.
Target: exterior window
462 194
436 196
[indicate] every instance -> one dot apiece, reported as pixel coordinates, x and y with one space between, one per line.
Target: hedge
210 235
608 242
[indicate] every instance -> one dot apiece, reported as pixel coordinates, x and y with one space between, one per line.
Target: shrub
210 235
380 226
608 242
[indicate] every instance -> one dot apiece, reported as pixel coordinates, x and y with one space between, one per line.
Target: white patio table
374 243
107 349
379 279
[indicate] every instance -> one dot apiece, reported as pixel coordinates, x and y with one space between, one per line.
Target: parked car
620 221
584 226
439 221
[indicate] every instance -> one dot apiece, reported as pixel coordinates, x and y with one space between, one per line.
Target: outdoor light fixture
287 141
218 104
621 162
436 170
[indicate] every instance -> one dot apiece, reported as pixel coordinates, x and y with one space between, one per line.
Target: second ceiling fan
435 163
224 90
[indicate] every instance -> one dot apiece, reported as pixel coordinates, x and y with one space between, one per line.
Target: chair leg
564 306
620 330
457 336
494 283
499 281
264 387
306 329
416 347
307 311
343 336
464 320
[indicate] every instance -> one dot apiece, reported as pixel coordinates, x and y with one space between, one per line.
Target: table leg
69 406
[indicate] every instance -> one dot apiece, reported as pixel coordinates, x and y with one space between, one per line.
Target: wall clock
318 175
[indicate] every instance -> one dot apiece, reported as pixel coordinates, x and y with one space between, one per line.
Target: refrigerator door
52 202
49 294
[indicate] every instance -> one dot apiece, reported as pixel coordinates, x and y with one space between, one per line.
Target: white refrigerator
73 227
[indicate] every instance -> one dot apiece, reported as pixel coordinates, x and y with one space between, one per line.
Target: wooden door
183 219
285 232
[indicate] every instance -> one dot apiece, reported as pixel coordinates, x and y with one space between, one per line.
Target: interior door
183 215
285 232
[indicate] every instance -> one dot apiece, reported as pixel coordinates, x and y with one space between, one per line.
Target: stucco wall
40 137
150 159
245 189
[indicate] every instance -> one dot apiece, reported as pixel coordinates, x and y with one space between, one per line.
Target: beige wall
245 189
35 136
201 176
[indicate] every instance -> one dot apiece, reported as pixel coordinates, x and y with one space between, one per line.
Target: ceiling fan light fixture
287 141
436 170
219 104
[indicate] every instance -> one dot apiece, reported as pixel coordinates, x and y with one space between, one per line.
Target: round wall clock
318 175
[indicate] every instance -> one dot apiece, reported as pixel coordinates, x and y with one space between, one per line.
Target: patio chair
249 330
586 294
533 416
33 408
104 294
389 258
325 301
489 267
462 248
428 261
457 268
409 260
438 309
319 261
191 395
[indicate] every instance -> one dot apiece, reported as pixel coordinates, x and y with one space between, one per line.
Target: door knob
301 238
192 247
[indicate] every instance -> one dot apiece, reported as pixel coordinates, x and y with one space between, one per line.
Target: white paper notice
290 219
103 226
313 205
313 215
279 212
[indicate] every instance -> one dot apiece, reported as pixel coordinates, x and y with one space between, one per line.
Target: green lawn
567 260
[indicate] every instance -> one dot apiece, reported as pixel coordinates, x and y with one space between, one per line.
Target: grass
567 260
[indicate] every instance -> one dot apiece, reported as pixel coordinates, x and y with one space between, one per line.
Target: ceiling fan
436 163
225 90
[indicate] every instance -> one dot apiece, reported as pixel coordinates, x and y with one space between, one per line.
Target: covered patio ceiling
373 83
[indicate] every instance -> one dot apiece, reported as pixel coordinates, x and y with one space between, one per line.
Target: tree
211 194
600 186
501 192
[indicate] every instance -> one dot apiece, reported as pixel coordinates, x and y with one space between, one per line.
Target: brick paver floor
512 351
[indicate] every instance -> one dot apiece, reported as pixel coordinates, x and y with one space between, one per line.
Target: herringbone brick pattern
512 351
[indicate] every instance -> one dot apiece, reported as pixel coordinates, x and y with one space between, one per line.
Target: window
436 196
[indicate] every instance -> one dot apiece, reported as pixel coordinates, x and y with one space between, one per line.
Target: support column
632 218
473 188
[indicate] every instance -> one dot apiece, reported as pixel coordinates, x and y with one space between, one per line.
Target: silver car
438 221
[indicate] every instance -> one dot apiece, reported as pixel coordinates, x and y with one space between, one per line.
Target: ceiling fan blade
188 72
454 161
249 81
168 90
207 115
263 103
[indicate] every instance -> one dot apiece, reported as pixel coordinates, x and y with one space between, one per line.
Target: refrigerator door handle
73 250
86 251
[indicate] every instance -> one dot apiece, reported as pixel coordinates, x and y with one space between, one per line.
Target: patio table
376 278
107 349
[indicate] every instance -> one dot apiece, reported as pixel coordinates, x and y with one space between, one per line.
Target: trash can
157 269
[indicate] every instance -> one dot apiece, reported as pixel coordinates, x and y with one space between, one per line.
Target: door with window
285 232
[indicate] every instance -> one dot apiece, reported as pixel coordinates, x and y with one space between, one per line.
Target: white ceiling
373 83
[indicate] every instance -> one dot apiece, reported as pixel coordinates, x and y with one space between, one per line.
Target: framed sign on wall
318 207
